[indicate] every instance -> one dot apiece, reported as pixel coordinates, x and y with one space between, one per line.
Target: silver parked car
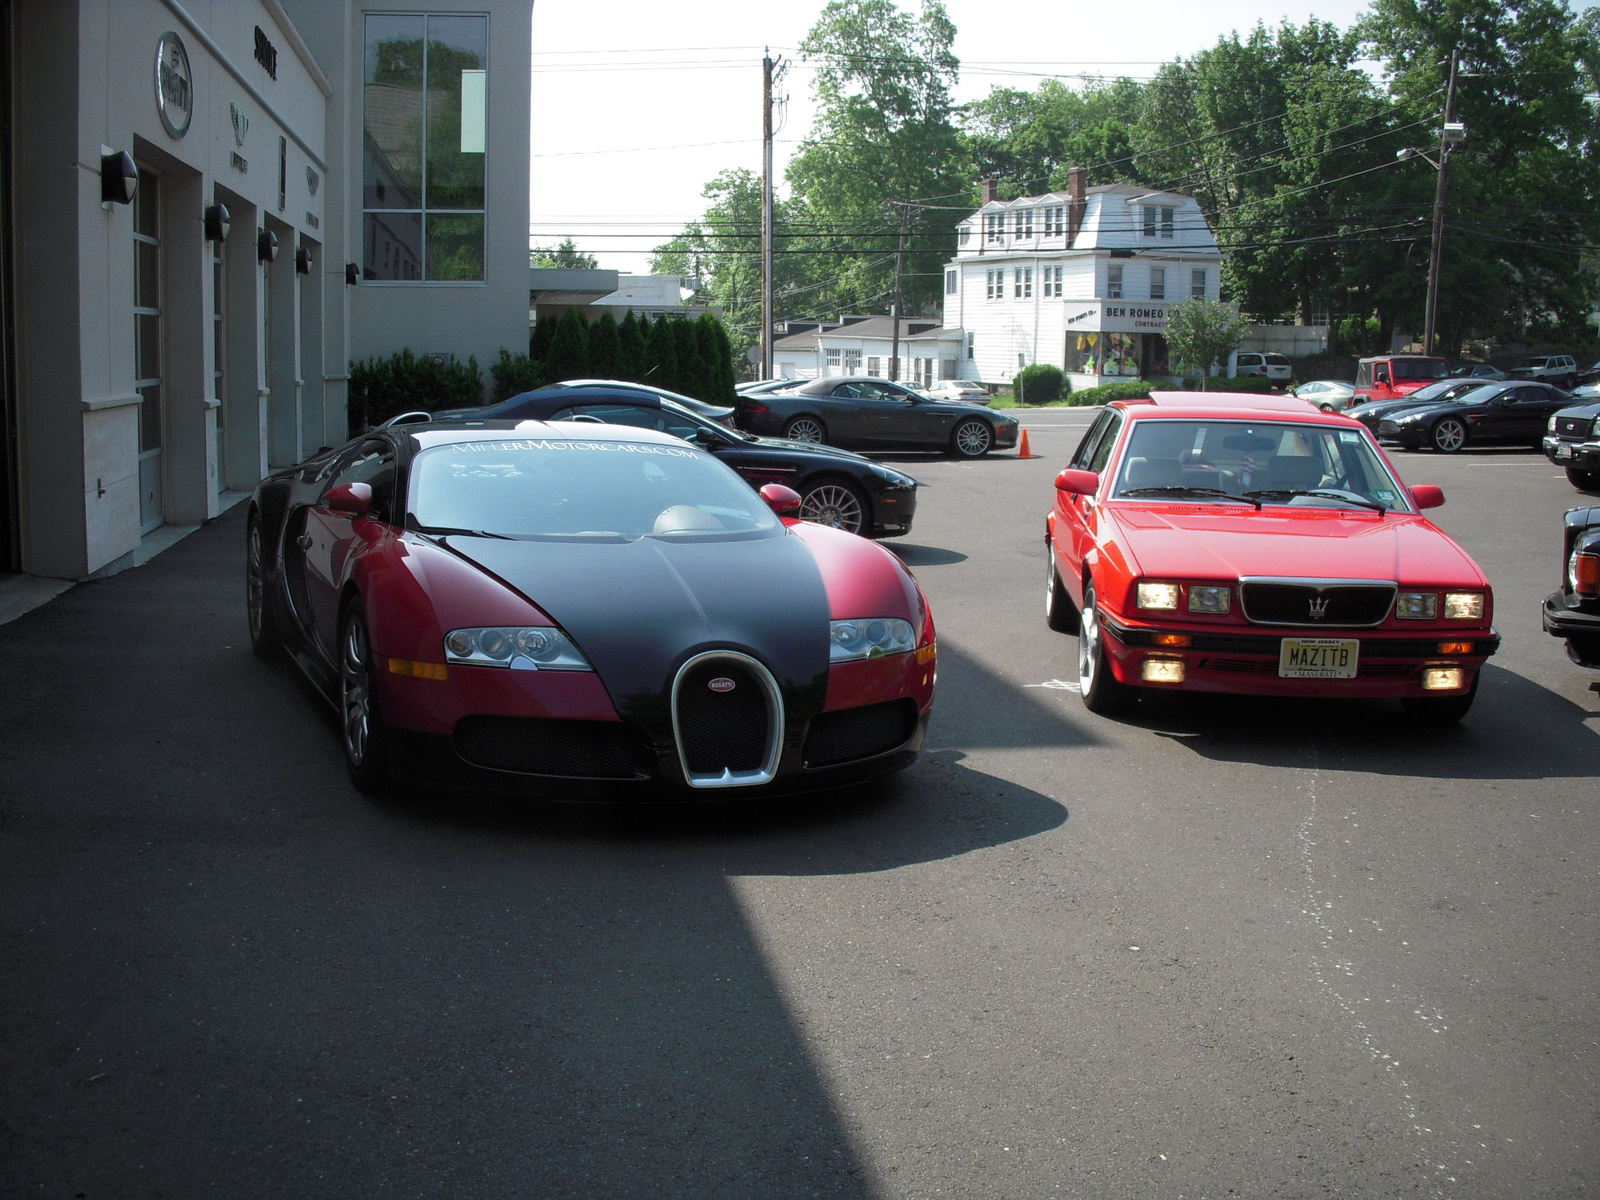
1330 395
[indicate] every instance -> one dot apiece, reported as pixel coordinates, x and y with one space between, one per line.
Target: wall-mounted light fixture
266 246
119 178
352 274
302 261
217 223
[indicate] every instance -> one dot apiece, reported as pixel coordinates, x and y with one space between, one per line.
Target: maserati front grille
1316 603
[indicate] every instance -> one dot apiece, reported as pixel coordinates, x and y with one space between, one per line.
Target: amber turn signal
418 670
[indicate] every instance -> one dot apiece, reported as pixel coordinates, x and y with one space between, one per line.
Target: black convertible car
867 413
1573 612
1513 411
836 487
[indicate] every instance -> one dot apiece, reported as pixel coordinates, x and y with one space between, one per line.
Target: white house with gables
1081 279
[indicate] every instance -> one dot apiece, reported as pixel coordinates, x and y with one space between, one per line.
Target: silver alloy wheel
972 438
1088 644
804 429
255 593
832 504
355 690
1449 435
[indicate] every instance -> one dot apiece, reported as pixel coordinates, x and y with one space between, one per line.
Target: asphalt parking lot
1225 947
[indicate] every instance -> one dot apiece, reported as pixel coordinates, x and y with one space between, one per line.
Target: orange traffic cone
1022 447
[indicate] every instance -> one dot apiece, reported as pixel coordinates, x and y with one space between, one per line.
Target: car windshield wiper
456 531
1347 497
1209 493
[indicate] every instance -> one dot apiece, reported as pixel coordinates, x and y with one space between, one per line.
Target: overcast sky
637 104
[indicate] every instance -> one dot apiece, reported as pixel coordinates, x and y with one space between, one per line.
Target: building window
1024 283
972 345
833 358
996 284
947 368
1166 221
425 98
1055 221
1114 281
994 227
1150 220
1052 281
852 362
875 366
964 234
147 343
1158 283
1197 283
950 283
1025 223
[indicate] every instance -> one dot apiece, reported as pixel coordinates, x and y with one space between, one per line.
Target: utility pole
899 271
1449 135
769 76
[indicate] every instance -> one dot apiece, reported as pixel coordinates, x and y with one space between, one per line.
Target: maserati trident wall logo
722 684
1319 608
241 124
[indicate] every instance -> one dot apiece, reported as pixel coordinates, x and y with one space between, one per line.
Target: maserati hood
1203 542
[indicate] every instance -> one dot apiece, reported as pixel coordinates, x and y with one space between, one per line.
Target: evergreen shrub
381 388
1039 383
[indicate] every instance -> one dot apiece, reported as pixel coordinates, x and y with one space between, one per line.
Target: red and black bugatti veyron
584 611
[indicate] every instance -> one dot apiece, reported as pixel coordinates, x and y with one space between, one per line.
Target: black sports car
867 413
1513 411
1573 612
836 487
1572 441
1373 411
583 610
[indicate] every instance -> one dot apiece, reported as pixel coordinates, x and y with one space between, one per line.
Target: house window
1052 281
1025 223
994 227
972 344
875 366
1197 283
964 234
1166 221
852 362
1114 281
947 368
996 284
1158 283
833 358
950 282
425 91
1055 221
1024 283
1150 220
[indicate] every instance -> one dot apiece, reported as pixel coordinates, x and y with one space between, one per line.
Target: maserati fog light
1163 670
1442 679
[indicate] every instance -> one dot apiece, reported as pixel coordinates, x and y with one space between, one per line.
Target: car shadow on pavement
923 556
1515 730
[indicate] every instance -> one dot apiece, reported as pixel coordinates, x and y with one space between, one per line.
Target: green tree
1202 332
664 369
544 330
569 348
1029 140
565 255
605 347
632 349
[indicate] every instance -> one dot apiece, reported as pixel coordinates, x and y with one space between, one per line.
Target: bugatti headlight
1463 606
526 648
873 637
1417 606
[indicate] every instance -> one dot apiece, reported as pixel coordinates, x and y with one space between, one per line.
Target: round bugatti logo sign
721 684
174 84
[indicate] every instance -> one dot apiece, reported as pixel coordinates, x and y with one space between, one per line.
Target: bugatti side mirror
1427 495
352 498
1078 483
784 501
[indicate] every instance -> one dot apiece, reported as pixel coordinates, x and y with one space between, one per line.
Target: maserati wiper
1347 497
1209 493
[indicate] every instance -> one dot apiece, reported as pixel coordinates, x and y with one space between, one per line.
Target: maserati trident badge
1319 608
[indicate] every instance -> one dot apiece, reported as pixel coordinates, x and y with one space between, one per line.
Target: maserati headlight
527 648
1463 606
871 637
1208 598
1158 595
1416 606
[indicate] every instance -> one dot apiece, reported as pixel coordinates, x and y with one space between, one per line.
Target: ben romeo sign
174 84
1118 317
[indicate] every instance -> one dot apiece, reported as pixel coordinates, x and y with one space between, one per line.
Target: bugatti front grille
577 749
727 715
1315 603
852 733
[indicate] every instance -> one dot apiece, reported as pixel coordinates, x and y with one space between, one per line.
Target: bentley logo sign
174 84
722 684
241 124
1319 608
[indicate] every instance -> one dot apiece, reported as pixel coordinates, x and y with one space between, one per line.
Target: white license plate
1318 658
1563 451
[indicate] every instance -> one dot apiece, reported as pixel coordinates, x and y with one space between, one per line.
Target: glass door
147 344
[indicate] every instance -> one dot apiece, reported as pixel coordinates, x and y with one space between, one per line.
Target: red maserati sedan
1245 544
